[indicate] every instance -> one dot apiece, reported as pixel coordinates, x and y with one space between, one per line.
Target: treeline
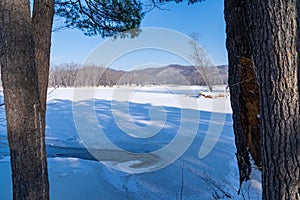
75 75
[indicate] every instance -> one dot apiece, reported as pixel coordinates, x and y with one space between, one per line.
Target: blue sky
71 45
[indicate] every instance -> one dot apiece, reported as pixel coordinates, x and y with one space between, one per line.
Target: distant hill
172 74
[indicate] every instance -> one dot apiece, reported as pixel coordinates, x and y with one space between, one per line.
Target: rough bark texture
243 85
42 20
274 37
298 43
23 109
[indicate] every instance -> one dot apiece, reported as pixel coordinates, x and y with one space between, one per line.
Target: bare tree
207 72
63 75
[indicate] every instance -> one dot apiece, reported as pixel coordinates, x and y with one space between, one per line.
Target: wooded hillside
73 75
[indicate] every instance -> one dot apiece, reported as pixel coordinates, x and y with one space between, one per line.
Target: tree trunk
274 37
244 93
42 20
22 103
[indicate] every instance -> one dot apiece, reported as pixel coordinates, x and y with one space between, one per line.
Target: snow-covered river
153 118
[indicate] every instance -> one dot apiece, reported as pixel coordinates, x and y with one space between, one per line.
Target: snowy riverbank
140 121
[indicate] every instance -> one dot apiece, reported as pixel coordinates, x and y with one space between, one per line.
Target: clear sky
206 18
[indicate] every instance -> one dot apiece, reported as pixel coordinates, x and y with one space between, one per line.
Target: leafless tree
202 62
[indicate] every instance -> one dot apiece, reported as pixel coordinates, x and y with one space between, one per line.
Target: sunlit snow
140 122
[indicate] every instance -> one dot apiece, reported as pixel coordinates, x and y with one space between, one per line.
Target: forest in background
74 75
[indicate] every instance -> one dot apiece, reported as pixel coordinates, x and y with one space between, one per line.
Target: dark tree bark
244 93
274 36
22 102
25 54
270 28
42 20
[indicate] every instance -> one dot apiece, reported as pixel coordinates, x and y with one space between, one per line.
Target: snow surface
142 121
